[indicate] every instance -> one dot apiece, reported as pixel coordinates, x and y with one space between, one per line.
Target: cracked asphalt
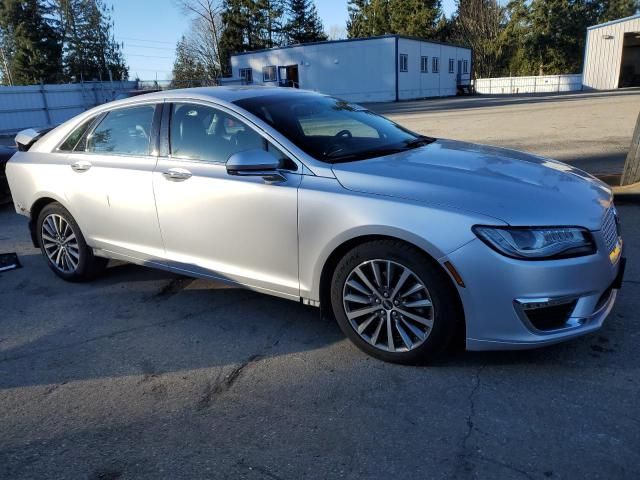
144 374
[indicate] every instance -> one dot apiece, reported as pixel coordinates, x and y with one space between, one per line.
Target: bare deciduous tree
204 38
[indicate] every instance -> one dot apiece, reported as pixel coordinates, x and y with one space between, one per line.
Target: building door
289 76
630 63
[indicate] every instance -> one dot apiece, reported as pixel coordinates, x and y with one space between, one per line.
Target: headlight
537 243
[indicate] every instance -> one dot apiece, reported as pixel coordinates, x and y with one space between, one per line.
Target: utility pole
631 172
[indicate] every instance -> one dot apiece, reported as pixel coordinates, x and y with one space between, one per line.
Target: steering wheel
344 133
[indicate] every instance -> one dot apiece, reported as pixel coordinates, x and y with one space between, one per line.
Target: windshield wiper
420 141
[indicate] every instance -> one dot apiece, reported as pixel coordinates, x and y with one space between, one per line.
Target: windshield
332 130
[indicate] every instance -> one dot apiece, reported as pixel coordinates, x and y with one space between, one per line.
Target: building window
451 65
246 74
435 64
269 74
404 62
424 63
465 66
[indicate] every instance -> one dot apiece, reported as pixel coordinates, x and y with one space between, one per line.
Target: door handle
81 166
177 174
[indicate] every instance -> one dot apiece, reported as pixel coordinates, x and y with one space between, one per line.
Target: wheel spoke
425 302
70 260
416 288
352 297
376 334
377 274
366 281
421 320
59 257
363 326
388 274
356 286
70 238
362 311
75 254
48 238
415 330
403 278
405 337
49 226
390 334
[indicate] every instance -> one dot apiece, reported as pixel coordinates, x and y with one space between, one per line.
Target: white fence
541 84
43 105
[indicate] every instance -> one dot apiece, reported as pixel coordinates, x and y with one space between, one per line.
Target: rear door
111 182
240 229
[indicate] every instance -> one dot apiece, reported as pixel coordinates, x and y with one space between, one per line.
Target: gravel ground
143 374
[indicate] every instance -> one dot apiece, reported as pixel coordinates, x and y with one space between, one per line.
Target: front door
234 228
111 184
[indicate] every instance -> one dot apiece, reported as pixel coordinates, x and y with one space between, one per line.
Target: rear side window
72 140
198 132
125 131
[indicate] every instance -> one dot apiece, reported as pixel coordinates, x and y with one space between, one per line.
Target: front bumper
497 287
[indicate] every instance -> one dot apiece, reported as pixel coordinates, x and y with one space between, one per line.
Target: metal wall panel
46 105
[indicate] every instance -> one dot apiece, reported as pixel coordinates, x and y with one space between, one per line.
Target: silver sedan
409 241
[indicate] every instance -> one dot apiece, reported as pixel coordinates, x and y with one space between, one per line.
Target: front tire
393 302
64 246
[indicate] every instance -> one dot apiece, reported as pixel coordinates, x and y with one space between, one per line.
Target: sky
150 30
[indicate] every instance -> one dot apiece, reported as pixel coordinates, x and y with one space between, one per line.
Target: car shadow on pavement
135 320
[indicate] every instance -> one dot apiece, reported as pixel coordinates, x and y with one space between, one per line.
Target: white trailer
376 69
612 55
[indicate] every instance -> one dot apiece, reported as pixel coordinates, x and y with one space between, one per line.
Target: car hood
515 187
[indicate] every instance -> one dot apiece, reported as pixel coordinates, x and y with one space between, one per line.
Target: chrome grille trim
610 229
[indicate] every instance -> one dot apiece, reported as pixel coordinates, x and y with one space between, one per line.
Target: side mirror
255 163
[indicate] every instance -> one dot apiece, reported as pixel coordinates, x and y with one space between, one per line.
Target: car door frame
111 249
165 154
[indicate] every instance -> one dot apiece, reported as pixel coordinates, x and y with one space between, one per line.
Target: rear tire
389 287
64 246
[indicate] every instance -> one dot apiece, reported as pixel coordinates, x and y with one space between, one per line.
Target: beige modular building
612 55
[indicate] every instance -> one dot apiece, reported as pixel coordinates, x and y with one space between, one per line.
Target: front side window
74 138
451 65
329 129
404 62
424 63
435 64
269 74
199 132
125 131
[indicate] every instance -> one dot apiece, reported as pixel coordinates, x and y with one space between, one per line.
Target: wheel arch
338 252
34 212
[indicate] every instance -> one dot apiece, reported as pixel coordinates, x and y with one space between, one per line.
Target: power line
147 41
146 56
127 45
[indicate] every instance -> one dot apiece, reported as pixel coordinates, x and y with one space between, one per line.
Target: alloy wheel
388 305
60 243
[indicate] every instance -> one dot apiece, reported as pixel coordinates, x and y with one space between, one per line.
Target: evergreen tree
30 44
235 20
416 18
188 70
89 50
304 24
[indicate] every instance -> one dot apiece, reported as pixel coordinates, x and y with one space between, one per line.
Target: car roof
225 93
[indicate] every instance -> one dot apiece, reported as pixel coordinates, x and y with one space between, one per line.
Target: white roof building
376 69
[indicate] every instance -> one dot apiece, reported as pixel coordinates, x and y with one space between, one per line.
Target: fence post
45 104
631 172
